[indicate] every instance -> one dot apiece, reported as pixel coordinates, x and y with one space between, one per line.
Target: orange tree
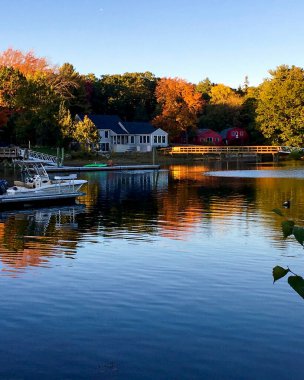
179 105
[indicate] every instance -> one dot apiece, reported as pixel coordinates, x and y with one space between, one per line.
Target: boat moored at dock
36 186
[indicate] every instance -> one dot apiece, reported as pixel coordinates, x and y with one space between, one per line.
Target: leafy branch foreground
295 281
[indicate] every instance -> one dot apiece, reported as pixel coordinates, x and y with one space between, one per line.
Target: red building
235 136
207 137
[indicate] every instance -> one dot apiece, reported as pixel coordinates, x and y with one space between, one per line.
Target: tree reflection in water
30 237
171 203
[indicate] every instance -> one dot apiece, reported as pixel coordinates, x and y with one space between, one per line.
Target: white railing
38 156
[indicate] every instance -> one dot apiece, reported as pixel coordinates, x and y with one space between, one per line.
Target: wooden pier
227 151
10 153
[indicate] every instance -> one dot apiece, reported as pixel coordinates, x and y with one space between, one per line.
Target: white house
118 136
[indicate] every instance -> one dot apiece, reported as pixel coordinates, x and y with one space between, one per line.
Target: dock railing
199 149
29 154
14 152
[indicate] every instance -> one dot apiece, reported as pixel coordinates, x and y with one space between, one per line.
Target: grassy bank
128 158
132 158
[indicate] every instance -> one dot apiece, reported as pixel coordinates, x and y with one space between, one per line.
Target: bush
296 154
83 155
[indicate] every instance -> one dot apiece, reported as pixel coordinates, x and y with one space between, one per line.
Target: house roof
205 130
107 122
139 127
120 127
224 132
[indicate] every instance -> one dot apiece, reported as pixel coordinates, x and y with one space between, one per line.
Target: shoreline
122 159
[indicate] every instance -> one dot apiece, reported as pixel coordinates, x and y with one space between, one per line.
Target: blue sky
224 40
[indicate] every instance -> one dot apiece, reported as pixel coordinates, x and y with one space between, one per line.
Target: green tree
130 95
13 86
247 115
65 122
86 133
32 106
219 117
204 87
280 108
223 110
70 86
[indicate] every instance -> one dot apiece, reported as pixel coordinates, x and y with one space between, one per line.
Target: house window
118 139
209 139
132 140
140 139
217 139
148 139
105 147
155 139
106 134
164 139
114 140
159 139
145 139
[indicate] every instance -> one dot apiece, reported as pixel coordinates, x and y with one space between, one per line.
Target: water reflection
30 237
142 205
178 280
174 203
126 201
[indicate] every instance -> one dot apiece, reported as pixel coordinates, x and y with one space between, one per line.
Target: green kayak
95 165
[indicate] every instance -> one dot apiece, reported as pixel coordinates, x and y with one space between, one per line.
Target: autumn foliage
27 63
180 105
39 101
221 94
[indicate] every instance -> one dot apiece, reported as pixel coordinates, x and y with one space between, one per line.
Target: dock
225 152
67 169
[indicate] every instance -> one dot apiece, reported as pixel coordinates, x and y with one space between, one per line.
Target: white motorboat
36 185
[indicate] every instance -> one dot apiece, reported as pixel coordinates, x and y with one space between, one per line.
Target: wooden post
153 155
275 157
58 156
62 156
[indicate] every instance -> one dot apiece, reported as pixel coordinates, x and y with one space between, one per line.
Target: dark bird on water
286 204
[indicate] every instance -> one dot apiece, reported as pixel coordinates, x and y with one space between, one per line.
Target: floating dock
61 169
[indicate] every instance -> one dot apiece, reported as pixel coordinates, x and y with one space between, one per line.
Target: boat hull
40 197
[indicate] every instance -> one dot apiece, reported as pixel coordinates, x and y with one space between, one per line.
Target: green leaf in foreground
297 283
278 211
279 272
298 233
287 227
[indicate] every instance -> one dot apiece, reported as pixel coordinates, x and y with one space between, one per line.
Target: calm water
164 276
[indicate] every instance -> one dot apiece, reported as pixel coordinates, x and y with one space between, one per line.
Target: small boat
36 186
95 165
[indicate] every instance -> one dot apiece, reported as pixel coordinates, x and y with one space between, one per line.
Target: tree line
38 103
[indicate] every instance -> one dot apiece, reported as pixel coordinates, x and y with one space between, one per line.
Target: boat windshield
32 169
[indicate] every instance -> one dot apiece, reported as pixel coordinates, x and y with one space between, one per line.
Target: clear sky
224 40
